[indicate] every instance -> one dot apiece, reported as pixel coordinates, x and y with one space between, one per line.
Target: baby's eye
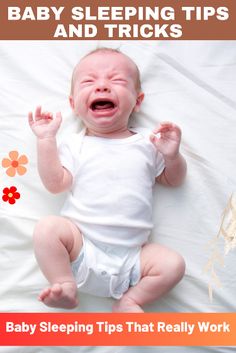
85 81
119 80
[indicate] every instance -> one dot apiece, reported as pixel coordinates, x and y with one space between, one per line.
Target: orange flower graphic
14 164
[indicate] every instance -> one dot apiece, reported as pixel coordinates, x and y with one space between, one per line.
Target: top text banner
118 20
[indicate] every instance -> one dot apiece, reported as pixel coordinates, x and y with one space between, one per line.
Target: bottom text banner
108 329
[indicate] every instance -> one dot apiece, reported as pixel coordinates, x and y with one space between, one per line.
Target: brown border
213 29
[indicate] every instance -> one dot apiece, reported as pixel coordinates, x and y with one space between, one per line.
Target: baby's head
105 89
107 51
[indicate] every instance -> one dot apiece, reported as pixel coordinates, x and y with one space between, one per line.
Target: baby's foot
126 305
60 295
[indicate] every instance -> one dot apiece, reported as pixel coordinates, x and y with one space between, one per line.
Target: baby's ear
139 100
71 100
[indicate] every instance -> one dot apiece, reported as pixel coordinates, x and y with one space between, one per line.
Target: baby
99 243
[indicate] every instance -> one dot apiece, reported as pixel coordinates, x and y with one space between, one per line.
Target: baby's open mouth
102 104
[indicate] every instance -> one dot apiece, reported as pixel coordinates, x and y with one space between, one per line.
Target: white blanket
192 83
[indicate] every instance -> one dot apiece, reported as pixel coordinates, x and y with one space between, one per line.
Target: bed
192 83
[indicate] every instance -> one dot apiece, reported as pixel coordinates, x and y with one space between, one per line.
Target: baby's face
105 91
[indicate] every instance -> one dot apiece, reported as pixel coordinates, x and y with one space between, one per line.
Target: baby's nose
103 87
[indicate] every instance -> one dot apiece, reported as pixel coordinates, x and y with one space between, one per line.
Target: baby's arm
54 177
168 144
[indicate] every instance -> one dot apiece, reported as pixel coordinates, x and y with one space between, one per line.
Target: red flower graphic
10 195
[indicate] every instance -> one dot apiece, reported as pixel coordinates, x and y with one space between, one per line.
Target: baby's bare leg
161 270
57 242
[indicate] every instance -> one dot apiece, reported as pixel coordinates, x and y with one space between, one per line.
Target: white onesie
111 197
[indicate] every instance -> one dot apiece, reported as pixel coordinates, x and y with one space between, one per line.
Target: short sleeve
66 158
160 164
69 151
158 160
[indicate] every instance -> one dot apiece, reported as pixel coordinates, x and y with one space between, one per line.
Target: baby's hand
168 140
43 124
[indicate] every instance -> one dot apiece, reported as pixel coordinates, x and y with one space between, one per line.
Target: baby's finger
58 119
58 116
169 125
47 115
166 124
30 118
154 140
159 129
163 126
38 113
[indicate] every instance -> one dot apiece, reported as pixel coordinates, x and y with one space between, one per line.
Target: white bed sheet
192 83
